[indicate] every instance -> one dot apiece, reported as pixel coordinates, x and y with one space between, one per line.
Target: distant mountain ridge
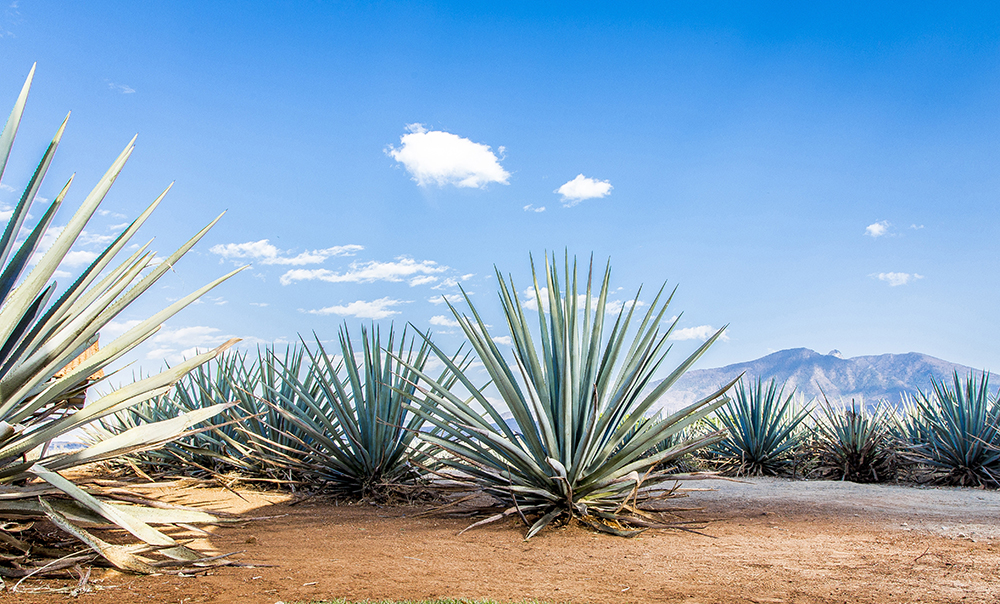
874 377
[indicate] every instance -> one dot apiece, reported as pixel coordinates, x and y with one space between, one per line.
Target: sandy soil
770 541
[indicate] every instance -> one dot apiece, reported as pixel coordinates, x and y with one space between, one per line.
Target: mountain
870 378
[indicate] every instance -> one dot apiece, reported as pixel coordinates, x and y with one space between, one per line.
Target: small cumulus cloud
78 258
6 187
451 298
434 157
531 208
877 229
122 88
367 272
916 227
504 340
443 321
375 309
897 279
701 333
582 188
265 253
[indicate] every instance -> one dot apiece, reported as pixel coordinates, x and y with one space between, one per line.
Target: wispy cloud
504 340
531 208
367 272
434 157
6 187
582 188
897 279
701 333
122 88
877 229
422 280
452 298
376 309
259 304
265 253
916 227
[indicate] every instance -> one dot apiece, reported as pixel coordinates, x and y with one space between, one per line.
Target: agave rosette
576 443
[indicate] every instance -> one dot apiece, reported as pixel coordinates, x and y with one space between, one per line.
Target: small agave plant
42 331
578 394
857 444
960 427
762 430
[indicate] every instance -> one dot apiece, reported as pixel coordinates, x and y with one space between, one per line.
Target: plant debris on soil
764 540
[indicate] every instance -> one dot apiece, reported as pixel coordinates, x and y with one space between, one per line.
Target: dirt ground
768 541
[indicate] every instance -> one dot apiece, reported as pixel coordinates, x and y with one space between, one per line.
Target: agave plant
39 337
857 444
349 418
251 438
961 430
575 394
762 427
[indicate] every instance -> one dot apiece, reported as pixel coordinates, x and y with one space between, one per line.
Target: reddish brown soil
803 549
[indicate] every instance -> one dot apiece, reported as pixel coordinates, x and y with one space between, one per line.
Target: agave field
561 430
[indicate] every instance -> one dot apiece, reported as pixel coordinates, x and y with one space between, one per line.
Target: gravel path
947 511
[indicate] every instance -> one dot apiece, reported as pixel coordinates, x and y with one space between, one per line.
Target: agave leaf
10 128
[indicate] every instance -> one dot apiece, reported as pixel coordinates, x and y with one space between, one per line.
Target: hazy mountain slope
867 377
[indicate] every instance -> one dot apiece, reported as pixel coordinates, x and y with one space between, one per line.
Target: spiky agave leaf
575 393
855 443
761 426
961 427
39 337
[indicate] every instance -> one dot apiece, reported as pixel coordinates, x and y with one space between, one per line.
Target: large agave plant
41 333
857 444
761 426
961 427
575 393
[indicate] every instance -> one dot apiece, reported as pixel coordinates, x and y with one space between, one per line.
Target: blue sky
813 176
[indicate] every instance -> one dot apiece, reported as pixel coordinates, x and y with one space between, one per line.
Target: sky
819 175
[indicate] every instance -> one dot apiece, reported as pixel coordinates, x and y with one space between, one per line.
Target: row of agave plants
949 434
558 431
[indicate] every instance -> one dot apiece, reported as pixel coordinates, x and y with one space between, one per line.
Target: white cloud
453 298
877 229
895 279
111 214
6 187
264 252
259 304
78 258
439 158
916 227
504 340
444 321
701 332
367 272
531 208
581 188
87 238
422 280
448 282
376 309
122 88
